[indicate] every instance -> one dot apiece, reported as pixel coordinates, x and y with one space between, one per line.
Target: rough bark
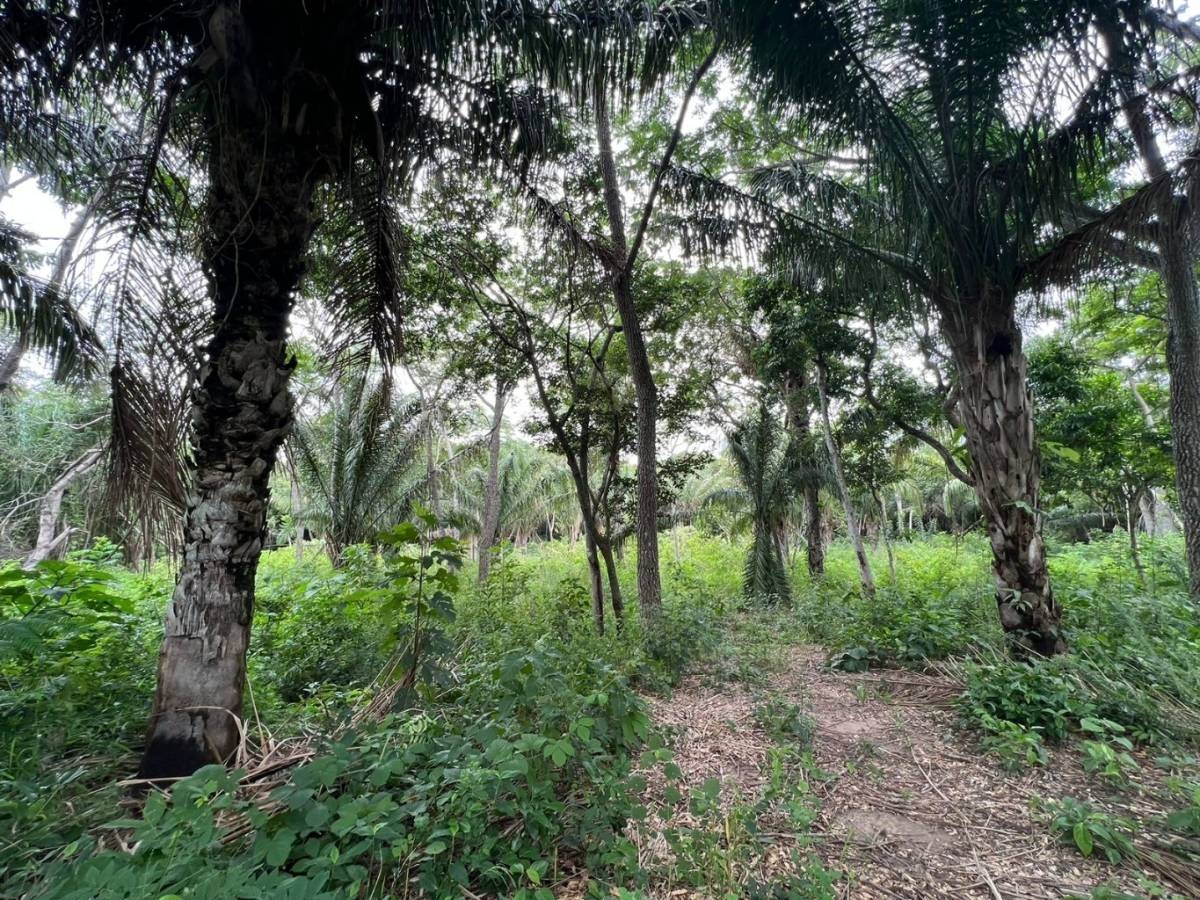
49 539
866 576
997 416
10 362
797 411
814 531
491 493
645 391
262 173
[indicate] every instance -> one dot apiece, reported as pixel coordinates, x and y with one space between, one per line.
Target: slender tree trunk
835 460
614 585
431 474
49 539
1176 248
1131 522
1183 363
887 541
646 392
595 582
297 523
491 494
997 415
262 174
814 531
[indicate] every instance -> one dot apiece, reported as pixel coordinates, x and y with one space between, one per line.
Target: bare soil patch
908 805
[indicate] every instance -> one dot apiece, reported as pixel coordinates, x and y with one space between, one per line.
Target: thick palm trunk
866 576
997 414
260 221
491 493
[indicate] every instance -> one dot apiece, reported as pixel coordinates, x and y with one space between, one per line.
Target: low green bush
517 776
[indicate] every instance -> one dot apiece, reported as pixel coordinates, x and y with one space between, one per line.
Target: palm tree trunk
645 391
1183 364
797 410
491 494
866 576
997 413
260 219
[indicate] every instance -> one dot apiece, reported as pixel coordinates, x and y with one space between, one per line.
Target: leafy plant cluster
514 770
514 777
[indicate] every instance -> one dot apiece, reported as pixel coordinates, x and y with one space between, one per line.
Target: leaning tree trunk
866 576
997 414
49 538
491 493
614 585
645 391
260 220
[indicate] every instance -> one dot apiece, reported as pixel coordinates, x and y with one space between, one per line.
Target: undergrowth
514 771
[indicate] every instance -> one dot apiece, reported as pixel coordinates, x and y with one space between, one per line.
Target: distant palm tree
38 312
767 468
361 463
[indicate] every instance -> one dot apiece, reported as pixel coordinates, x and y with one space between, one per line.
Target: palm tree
766 467
970 161
360 463
39 313
285 104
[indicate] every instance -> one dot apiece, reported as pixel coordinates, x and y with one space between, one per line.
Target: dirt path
907 806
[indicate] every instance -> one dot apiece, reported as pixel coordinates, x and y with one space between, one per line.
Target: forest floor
894 796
